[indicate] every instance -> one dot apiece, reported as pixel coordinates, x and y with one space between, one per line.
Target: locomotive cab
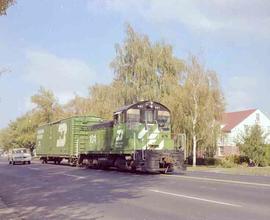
147 113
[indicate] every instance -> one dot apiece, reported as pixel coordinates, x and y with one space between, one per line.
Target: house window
221 150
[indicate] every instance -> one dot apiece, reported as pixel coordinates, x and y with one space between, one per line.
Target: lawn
257 171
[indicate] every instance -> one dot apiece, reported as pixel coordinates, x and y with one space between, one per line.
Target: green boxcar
64 138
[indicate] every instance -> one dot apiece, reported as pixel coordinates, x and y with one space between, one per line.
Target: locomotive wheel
133 167
121 164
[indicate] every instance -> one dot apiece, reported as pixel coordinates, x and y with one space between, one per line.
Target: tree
22 131
143 70
103 100
267 154
252 144
77 106
202 105
4 5
46 105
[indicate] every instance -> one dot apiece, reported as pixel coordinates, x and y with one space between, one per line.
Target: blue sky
67 45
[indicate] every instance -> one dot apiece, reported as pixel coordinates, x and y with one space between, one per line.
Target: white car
19 155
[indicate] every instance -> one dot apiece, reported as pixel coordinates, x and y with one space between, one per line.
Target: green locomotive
138 138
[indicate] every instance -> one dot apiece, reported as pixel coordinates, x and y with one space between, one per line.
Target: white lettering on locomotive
119 135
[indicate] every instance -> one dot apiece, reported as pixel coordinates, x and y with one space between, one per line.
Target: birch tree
203 104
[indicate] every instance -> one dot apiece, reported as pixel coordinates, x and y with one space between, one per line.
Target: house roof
232 119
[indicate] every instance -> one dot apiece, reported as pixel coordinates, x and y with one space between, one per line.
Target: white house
234 124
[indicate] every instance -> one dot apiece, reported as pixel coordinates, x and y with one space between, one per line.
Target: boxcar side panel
65 138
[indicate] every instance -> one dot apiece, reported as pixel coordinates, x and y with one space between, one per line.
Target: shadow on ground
72 193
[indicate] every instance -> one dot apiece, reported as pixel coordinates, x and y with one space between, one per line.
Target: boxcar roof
74 116
125 108
106 124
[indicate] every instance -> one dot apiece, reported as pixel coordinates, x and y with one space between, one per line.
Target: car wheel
29 162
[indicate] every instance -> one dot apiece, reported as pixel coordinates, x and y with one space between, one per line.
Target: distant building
234 124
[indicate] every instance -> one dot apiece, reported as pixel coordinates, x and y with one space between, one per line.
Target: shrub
229 161
252 144
208 161
267 155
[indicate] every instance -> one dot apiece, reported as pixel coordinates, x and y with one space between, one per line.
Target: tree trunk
194 150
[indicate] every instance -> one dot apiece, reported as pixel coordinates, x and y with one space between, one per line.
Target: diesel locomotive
137 139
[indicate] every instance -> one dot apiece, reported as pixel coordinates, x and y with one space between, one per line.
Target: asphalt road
47 191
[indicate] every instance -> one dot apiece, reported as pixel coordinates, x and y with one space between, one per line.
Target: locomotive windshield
149 116
148 113
164 119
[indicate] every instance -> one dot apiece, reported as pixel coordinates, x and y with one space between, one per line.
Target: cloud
64 76
247 91
228 17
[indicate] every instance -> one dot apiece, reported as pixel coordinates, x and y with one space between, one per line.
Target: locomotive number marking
93 139
119 135
61 141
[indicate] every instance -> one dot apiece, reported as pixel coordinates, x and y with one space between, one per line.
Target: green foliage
46 105
20 133
103 100
143 70
267 155
4 5
77 106
233 161
252 144
211 161
227 163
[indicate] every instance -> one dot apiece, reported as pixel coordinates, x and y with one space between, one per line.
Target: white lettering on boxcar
40 133
93 139
62 129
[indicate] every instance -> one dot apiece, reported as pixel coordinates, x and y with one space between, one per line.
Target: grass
253 171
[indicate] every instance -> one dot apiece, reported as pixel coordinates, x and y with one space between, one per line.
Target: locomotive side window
164 119
119 118
133 118
133 115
